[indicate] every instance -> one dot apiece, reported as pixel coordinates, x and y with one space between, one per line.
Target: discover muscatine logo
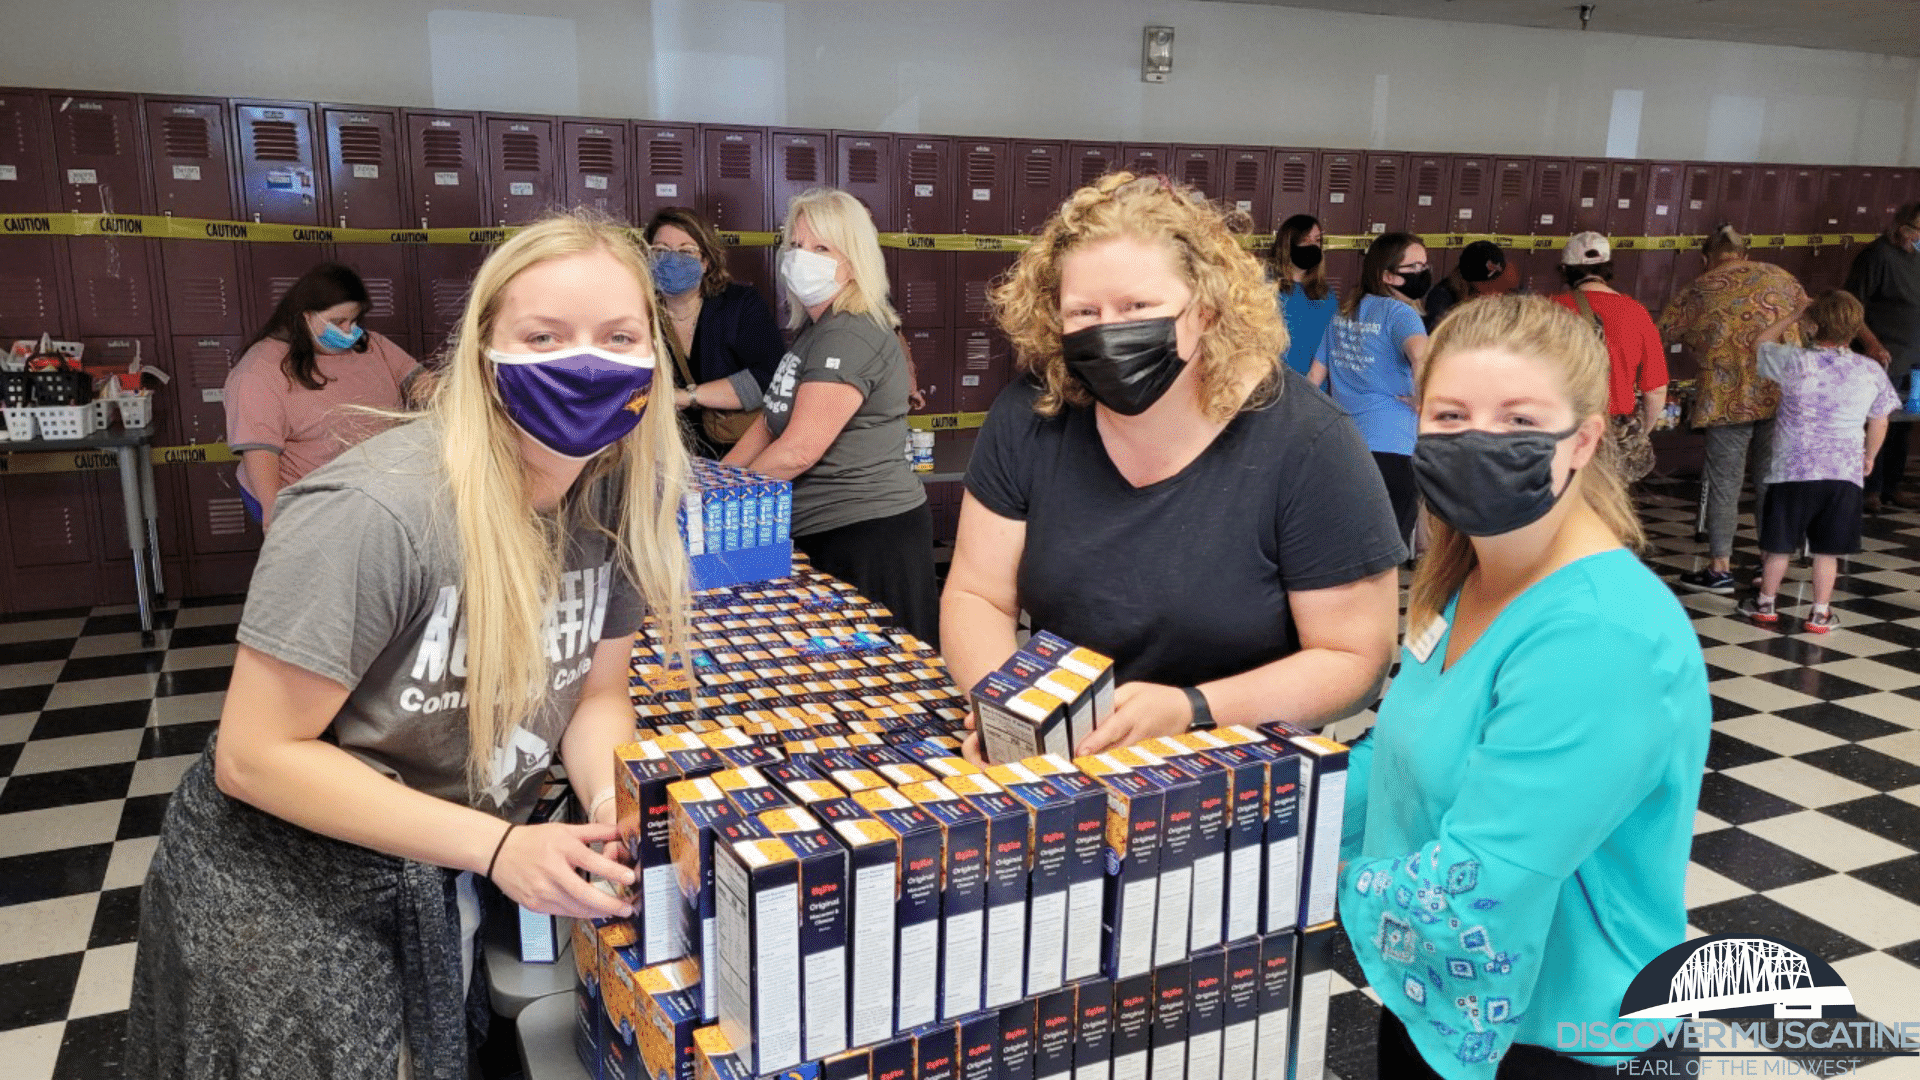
1796 1007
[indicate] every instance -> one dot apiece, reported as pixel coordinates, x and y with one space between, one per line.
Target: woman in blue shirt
1307 298
1527 795
1371 355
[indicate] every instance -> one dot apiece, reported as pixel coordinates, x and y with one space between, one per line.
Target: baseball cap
1482 261
1586 249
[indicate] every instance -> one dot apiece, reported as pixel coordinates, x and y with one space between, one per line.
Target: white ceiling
1874 26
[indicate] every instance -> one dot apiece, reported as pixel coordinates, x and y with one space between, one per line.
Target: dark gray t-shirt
1886 279
1186 580
864 475
359 582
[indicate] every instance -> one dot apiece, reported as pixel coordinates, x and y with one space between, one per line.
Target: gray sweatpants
1733 452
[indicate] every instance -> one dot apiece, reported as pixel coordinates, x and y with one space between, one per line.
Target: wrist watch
1202 715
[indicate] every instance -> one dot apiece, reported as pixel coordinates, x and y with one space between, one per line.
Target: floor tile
114 644
9 755
221 656
77 751
1729 630
43 630
1807 784
193 637
1753 861
1762 696
87 719
92 1046
107 667
193 708
1761 914
1871 673
128 865
124 623
141 816
1911 795
16 727
40 791
1737 803
220 615
1742 660
1893 708
1909 952
1882 815
1706 887
158 776
29 832
1861 911
1904 746
1724 751
1774 734
101 692
37 673
117 919
1827 840
195 681
1870 767
46 927
24 699
1705 822
176 739
106 982
48 875
1899 876
37 991
31 1051
1817 685
1845 641
1842 722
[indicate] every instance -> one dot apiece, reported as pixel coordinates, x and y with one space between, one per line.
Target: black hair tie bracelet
497 848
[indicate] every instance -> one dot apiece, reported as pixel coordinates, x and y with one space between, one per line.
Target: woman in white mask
835 415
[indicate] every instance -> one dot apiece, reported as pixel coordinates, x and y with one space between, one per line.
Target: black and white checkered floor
1809 825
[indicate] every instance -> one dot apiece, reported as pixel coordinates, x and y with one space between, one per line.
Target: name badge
1422 646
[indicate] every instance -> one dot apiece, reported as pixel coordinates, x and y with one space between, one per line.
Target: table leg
150 508
136 541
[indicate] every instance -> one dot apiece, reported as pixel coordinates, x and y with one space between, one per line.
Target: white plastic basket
102 413
19 424
136 410
64 421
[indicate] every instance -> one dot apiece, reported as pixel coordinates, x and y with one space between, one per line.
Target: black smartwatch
1202 715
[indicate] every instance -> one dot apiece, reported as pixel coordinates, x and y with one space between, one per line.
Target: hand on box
538 869
1141 710
970 746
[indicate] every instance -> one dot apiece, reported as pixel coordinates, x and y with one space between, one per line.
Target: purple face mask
575 403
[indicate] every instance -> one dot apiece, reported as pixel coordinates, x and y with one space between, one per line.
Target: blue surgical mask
676 272
332 337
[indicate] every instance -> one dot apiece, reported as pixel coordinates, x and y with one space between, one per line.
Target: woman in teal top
1523 808
1307 299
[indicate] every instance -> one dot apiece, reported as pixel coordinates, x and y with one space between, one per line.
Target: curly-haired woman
1163 489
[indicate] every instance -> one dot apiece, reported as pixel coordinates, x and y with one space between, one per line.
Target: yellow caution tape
168 227
963 421
92 459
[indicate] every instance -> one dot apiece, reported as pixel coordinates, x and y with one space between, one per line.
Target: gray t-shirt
359 582
864 475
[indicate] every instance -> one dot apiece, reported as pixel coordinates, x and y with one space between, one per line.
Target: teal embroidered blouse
1520 823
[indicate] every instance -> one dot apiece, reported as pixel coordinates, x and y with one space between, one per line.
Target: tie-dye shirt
1827 395
1719 316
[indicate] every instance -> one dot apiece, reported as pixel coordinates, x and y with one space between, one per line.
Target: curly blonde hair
1246 337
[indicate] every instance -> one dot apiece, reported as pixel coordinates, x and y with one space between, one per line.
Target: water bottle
1913 392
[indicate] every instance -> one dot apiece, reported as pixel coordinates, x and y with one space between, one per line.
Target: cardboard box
588 1010
698 813
1018 721
1174 913
1172 991
892 1060
642 775
1246 828
1087 862
667 1000
1273 1039
963 897
1134 809
620 969
848 1065
749 791
824 917
1009 834
936 1052
1053 1024
1207 926
873 855
979 1046
1090 665
918 891
1240 1019
1050 817
713 1057
1019 1032
1132 1027
1074 689
757 925
1093 1029
824 800
1312 999
1206 1012
1281 887
1323 787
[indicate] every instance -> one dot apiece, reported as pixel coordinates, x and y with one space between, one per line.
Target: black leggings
890 560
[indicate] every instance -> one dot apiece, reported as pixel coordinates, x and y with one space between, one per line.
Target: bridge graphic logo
1737 975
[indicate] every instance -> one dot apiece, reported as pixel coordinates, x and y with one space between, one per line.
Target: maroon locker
1799 215
1512 212
52 520
217 523
1039 183
1863 218
666 170
1090 161
102 170
523 175
1199 167
1587 210
595 169
734 188
1735 205
1826 262
1767 210
1386 200
32 268
932 351
1146 159
280 175
1423 209
1549 214
923 203
1663 203
191 150
800 161
1700 189
367 189
1898 187
1297 186
445 190
982 367
1470 199
1340 194
200 366
1626 215
983 201
864 168
119 351
1248 179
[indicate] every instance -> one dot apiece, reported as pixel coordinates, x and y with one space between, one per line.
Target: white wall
1042 68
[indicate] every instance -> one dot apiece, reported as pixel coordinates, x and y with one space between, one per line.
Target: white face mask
811 277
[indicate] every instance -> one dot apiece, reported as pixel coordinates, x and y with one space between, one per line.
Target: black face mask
1125 366
1485 483
1304 256
1415 286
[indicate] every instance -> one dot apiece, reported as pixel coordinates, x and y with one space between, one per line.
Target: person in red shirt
1633 346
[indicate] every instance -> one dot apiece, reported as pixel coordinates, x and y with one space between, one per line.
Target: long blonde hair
839 219
1546 332
511 555
1243 343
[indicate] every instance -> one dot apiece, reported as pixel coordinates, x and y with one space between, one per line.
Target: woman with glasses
722 337
1372 354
